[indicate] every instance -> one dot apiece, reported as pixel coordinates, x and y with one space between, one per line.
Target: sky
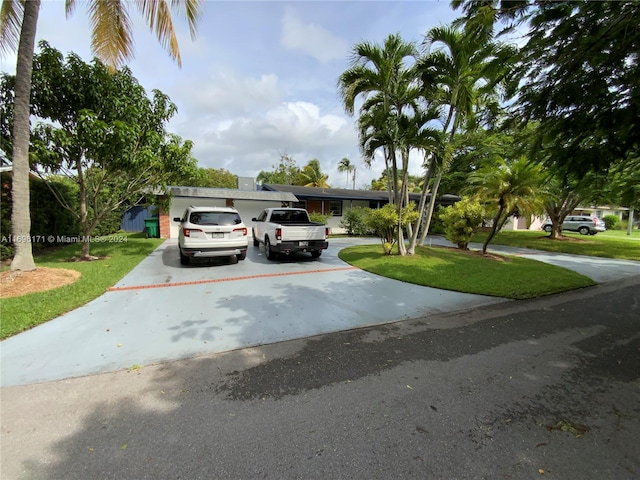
260 79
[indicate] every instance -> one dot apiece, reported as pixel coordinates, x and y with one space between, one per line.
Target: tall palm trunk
21 213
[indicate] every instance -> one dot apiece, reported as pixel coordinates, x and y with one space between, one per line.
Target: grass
609 244
27 311
450 269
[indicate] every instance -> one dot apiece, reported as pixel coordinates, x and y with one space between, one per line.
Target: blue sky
260 79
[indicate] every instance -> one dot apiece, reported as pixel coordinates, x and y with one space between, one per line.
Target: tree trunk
20 195
84 212
432 203
494 229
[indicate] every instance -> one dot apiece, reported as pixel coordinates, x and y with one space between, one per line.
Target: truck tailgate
291 233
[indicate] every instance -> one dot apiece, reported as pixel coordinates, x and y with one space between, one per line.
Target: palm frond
11 14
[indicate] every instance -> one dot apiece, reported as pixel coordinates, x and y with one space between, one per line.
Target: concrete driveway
163 311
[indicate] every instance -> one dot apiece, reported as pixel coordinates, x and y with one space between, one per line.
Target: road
482 393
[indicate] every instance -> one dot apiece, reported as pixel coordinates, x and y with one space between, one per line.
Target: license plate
217 235
304 244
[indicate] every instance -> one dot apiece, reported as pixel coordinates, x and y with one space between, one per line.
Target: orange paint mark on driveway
230 279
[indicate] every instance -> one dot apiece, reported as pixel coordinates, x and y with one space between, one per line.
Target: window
302 204
335 208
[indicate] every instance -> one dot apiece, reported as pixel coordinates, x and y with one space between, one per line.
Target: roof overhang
201 192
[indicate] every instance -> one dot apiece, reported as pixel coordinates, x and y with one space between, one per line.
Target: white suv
583 224
211 232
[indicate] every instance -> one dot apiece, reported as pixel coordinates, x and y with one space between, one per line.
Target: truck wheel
316 253
267 249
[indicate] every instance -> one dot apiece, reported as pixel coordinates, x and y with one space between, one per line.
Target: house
250 200
336 201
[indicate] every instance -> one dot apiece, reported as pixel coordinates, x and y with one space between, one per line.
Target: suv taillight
243 230
595 221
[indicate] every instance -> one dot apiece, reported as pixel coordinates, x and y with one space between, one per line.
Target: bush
319 217
610 221
461 220
384 223
354 221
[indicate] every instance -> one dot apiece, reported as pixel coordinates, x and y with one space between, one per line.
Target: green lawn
21 313
509 277
609 244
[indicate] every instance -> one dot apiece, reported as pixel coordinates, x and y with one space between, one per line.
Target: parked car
288 231
211 232
583 224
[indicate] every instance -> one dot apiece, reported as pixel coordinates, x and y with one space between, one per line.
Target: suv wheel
184 260
547 228
583 230
242 256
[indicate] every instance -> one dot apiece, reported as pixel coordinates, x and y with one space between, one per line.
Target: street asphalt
425 385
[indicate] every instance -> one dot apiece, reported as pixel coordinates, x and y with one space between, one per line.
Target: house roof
346 194
232 193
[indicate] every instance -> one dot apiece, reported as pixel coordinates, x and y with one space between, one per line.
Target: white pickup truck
289 230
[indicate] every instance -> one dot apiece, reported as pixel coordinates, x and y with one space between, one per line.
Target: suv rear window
215 218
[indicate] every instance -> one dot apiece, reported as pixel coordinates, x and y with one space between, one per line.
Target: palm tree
513 188
345 165
111 42
382 76
465 68
312 174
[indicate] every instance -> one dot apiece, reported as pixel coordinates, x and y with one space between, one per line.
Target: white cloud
228 93
312 39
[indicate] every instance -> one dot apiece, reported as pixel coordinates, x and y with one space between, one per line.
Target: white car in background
211 232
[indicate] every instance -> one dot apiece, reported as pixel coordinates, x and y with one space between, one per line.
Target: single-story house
250 200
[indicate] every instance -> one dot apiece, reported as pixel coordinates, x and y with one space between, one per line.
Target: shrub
354 221
384 223
461 220
319 217
610 221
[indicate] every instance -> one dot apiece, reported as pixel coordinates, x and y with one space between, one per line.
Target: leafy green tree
104 133
461 220
508 188
286 172
111 41
214 178
312 175
579 75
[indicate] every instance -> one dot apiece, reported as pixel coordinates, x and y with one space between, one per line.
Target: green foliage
319 217
313 176
354 221
461 220
47 218
384 223
213 178
103 132
286 172
610 221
